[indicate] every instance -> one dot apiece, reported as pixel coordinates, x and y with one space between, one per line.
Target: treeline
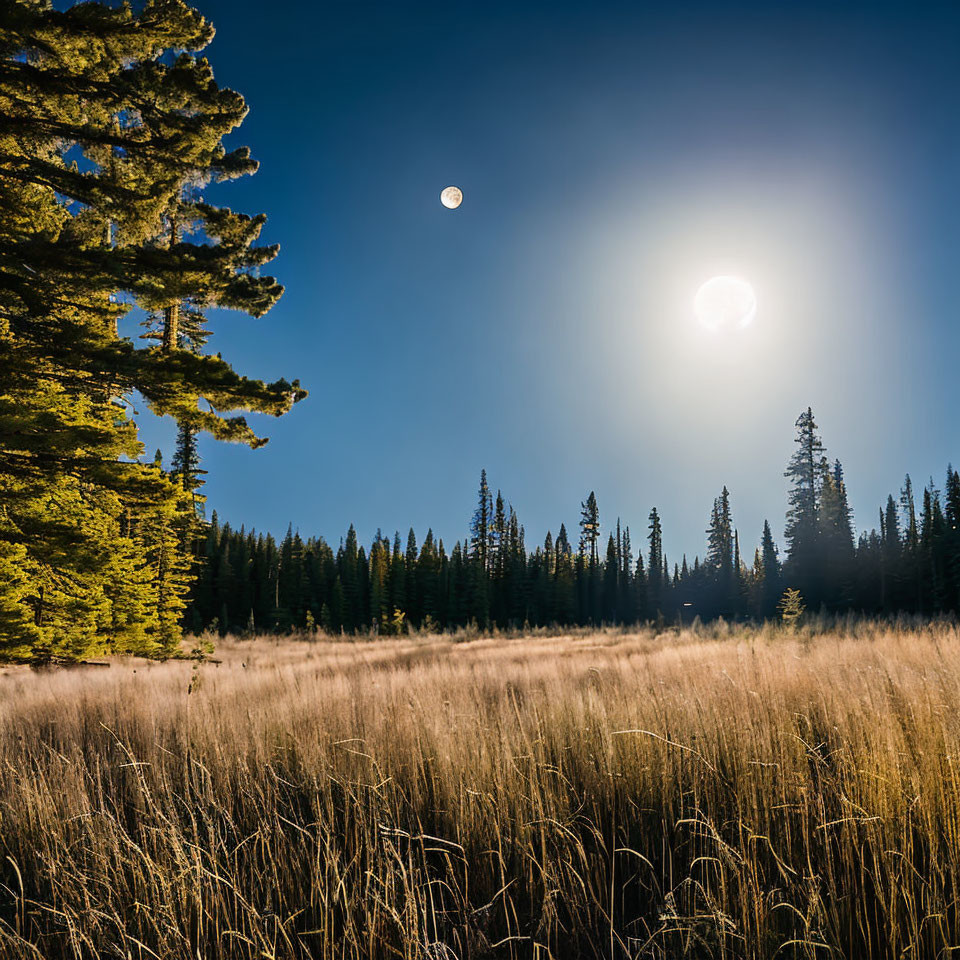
111 133
249 582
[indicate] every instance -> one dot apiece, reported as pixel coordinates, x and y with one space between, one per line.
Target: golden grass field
723 792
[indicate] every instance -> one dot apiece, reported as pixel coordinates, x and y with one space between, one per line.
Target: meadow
721 791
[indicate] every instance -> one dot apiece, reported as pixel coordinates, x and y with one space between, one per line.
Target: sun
725 303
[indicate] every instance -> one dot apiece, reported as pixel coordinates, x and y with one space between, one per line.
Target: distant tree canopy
912 564
111 128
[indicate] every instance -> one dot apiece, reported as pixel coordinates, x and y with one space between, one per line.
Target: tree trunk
171 314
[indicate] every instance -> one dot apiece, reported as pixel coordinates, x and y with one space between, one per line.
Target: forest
248 582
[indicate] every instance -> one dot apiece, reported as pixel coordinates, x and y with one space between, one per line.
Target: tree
654 593
611 583
911 560
398 576
565 586
380 608
720 560
836 539
772 585
891 555
105 116
589 528
348 568
932 556
806 473
516 571
497 561
791 605
480 525
951 545
627 600
428 581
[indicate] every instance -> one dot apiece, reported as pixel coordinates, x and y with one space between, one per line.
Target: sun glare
725 303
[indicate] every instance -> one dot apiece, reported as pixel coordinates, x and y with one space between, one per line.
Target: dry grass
722 793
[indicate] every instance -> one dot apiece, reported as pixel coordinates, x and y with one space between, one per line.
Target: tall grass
729 792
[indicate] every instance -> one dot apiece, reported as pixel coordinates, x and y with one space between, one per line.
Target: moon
725 303
451 197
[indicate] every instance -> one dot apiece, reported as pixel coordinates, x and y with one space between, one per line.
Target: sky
613 157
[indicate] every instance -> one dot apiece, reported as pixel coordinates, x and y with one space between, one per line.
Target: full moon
723 303
451 197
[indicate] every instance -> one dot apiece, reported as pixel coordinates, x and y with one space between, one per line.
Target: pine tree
611 584
643 603
398 577
720 558
517 588
497 551
186 464
410 566
891 556
349 576
836 540
565 584
806 473
102 128
772 588
428 582
20 632
932 575
911 561
589 528
951 545
480 525
738 587
627 600
655 584
380 608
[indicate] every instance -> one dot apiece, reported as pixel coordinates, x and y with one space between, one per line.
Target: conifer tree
806 473
655 583
932 577
380 609
398 577
911 561
480 526
720 559
836 539
457 588
627 600
891 555
497 561
517 591
611 584
951 546
641 590
589 528
565 588
428 581
101 129
772 588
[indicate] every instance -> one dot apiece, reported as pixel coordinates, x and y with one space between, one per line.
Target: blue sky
612 157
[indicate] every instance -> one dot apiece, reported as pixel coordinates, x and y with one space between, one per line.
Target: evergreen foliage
111 126
491 580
